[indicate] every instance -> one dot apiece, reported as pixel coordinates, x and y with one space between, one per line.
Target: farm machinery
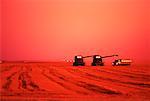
97 60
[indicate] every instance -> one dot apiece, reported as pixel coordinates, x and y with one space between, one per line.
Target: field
58 81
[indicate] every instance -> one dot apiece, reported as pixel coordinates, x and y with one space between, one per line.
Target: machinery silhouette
78 61
97 60
122 62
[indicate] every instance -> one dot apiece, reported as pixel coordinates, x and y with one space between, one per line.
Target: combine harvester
97 60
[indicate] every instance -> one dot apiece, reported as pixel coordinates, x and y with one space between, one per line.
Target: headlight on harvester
79 57
98 57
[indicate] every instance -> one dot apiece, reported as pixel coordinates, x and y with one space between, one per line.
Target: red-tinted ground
62 82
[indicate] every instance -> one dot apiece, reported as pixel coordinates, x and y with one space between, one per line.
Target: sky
60 29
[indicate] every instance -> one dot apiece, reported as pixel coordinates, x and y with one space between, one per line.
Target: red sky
60 29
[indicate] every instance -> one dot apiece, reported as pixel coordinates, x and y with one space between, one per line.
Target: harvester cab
78 61
97 60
